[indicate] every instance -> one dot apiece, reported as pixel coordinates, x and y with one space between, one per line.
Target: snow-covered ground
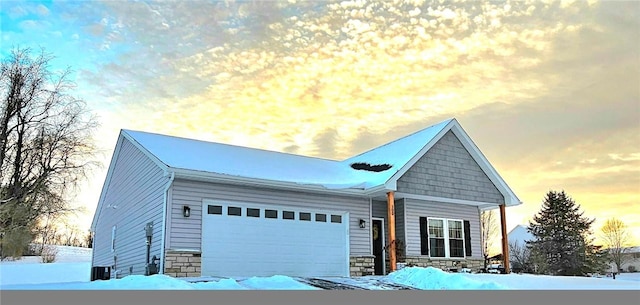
71 271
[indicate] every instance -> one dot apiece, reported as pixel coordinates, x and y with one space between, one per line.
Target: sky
548 90
73 273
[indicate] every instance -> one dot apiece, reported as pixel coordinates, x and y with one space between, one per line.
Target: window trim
447 239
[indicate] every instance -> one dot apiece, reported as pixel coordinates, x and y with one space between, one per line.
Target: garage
242 239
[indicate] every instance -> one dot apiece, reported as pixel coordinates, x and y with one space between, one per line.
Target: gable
448 170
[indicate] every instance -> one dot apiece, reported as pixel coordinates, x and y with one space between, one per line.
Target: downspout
164 222
505 241
392 230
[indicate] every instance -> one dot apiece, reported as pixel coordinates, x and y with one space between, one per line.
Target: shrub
15 243
49 254
632 268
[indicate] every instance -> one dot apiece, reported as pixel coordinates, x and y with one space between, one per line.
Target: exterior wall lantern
186 211
362 223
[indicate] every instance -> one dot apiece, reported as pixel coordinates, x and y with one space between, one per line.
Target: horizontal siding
420 208
185 232
136 191
379 210
400 220
448 170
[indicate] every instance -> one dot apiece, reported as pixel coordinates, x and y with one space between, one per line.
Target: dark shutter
424 236
467 238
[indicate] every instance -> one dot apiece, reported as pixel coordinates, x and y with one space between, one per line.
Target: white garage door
240 239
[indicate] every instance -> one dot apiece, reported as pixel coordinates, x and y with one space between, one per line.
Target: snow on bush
435 279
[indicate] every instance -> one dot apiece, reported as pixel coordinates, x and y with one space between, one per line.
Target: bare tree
616 239
489 226
46 147
520 256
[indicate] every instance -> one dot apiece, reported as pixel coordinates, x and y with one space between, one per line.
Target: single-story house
184 207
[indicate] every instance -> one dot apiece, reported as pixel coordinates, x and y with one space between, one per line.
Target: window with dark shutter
424 236
467 238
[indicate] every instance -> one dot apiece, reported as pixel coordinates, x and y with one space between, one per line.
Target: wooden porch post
505 241
392 230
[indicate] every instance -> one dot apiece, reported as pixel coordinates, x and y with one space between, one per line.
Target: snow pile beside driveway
435 279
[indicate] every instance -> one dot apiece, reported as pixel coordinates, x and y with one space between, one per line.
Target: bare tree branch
46 147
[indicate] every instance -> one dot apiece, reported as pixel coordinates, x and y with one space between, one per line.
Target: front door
377 236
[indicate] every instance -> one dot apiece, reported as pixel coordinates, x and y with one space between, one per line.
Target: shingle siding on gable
448 170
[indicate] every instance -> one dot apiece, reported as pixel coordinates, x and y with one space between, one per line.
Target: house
184 207
630 260
517 242
519 236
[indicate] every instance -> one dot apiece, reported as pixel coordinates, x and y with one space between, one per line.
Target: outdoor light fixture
186 211
362 223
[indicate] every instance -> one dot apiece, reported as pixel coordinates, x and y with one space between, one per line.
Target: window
321 217
214 209
253 212
271 214
234 211
336 218
456 243
436 237
288 215
113 239
305 216
446 238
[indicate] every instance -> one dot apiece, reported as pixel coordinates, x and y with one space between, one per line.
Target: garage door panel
252 246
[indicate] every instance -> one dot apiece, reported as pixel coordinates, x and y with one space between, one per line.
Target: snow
73 273
244 162
436 279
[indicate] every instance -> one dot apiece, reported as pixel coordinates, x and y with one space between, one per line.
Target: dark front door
376 235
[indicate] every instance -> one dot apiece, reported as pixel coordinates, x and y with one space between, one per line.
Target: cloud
548 90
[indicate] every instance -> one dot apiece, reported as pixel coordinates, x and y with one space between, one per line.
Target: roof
244 162
195 158
519 235
210 161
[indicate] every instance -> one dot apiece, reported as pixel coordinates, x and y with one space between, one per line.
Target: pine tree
562 237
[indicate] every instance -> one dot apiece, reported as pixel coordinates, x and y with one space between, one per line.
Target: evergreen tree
562 237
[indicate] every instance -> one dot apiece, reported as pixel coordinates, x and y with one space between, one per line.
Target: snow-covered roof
244 162
189 158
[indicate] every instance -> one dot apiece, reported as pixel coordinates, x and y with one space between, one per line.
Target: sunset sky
549 91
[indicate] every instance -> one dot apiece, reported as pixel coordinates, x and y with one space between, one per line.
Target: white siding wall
420 208
184 233
134 196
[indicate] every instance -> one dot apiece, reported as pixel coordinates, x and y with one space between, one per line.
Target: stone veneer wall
445 264
187 264
182 264
361 265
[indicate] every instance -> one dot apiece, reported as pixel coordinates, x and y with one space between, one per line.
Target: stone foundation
361 265
445 264
189 264
182 263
